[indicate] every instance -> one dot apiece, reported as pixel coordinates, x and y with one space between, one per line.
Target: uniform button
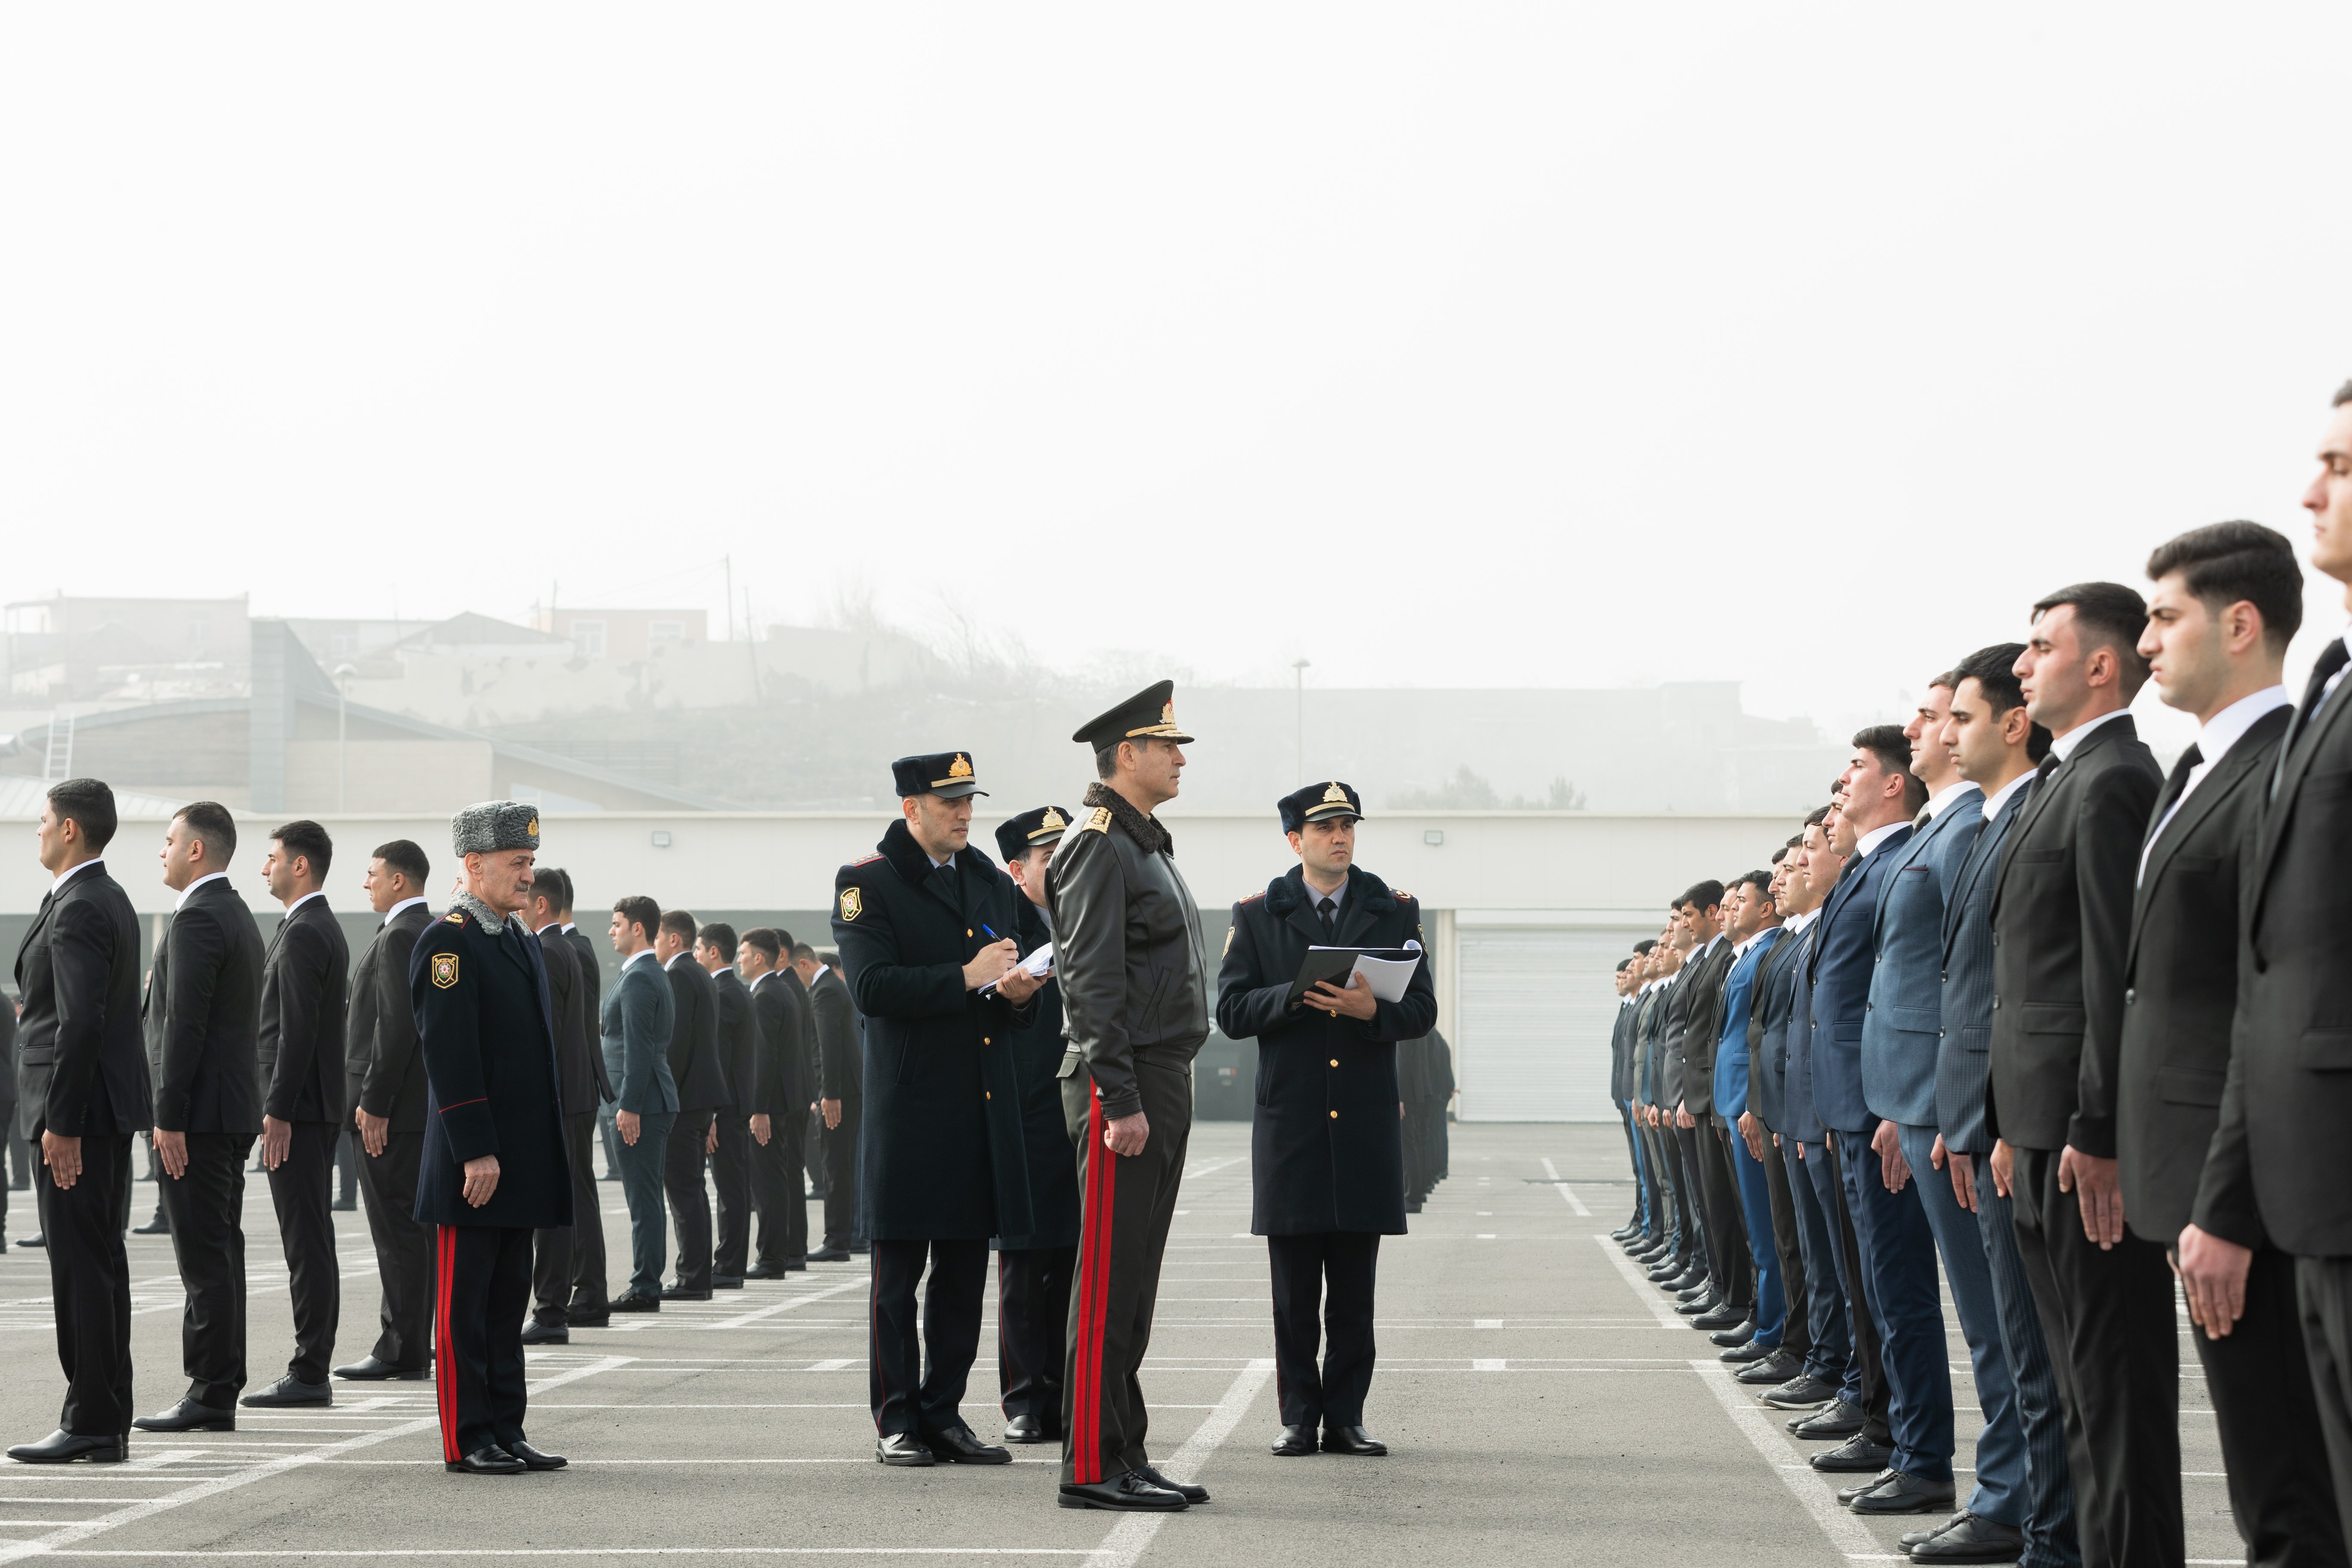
1335 1116
967 930
1335 1061
2131 994
987 1094
1940 1034
986 1041
1996 1004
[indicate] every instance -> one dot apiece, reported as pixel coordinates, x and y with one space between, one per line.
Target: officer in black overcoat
1326 1151
1033 1271
924 925
493 1170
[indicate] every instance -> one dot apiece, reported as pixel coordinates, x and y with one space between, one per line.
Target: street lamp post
1299 669
343 673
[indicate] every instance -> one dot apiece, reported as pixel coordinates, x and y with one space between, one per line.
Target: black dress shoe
680 1293
1700 1288
1968 1539
1771 1372
829 1255
796 1265
190 1416
1911 1538
489 1460
62 1447
1294 1441
535 1333
368 1369
764 1272
902 1448
1122 1493
1856 1455
726 1281
636 1301
1725 1316
159 1226
1352 1440
1740 1333
288 1391
592 1320
36 1239
1185 1490
532 1459
1838 1419
1027 1429
962 1446
1905 1493
1845 1495
1802 1391
1699 1305
1741 1355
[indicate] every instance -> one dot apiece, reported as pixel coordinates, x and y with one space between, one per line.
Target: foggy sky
1442 346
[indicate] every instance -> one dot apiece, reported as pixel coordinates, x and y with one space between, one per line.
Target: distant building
77 651
623 634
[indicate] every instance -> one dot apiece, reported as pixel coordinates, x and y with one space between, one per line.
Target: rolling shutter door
1537 1009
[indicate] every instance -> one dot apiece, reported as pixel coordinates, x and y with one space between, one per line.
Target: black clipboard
1334 964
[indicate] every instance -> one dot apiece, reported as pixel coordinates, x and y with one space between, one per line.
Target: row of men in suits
2022 1012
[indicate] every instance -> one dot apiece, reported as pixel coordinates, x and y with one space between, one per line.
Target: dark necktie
1324 911
2042 774
2332 659
2175 785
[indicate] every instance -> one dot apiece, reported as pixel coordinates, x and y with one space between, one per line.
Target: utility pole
1299 668
727 564
343 673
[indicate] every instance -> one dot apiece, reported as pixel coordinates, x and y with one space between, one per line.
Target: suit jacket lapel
2228 774
2292 767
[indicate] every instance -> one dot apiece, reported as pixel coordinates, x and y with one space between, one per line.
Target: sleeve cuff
1123 1104
2092 1135
472 1131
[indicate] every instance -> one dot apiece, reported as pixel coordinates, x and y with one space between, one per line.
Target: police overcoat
1036 1060
940 1150
484 1026
1326 1150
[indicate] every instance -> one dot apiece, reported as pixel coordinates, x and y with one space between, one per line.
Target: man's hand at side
2213 1276
171 1149
2099 1188
1893 1168
481 1179
625 1122
1126 1135
374 1131
276 1142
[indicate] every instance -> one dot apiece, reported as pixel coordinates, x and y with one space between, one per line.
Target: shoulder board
864 860
455 918
1400 895
1099 821
1254 896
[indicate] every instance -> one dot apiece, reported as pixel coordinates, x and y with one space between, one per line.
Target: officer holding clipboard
1325 1144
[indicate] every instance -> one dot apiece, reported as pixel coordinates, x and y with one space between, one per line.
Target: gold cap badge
961 768
1051 820
1335 795
533 828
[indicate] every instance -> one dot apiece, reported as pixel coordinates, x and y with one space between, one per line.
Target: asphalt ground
1538 1398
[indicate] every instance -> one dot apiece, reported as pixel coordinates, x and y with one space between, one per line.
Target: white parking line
1574 1202
1845 1531
1131 1535
1642 1288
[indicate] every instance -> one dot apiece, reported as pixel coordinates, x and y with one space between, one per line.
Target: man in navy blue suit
1898 1261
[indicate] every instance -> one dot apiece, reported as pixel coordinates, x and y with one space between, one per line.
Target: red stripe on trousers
446 1358
1094 1307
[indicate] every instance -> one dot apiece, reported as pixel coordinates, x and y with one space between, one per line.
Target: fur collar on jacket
914 866
1145 830
488 918
1288 891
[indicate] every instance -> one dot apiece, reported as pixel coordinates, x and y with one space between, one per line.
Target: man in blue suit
1752 926
1996 746
639 1015
1897 1272
1900 1034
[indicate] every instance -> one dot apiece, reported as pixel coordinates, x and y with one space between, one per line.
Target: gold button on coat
1335 1116
1335 1061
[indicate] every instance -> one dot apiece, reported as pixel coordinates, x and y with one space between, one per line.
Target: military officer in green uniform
1327 1146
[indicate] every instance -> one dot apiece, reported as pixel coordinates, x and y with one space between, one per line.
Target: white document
1038 965
1387 976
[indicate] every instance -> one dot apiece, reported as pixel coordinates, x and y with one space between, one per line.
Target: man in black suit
943 1165
202 1012
82 1093
591 972
1326 1159
2227 601
2281 1151
700 1075
8 1108
779 1102
304 990
384 1076
1698 1025
841 1099
568 1275
494 1170
2061 923
1033 1271
731 1147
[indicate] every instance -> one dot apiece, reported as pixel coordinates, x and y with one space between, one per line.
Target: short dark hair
1760 880
829 958
641 912
210 824
2111 616
1106 761
1624 964
307 839
784 943
718 934
1781 853
545 889
1704 895
1949 680
765 939
2343 395
1892 747
1644 946
680 924
1813 818
559 882
90 805
2224 563
1994 670
408 858
802 949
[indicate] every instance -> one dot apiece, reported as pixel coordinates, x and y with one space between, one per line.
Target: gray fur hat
493 826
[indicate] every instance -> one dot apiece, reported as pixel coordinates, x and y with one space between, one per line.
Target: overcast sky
1550 344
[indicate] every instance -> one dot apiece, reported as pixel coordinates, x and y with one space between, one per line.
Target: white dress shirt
1876 837
393 913
189 890
641 953
2214 739
1949 795
2000 797
2063 746
73 871
314 894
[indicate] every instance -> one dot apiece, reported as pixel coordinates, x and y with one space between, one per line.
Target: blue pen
992 935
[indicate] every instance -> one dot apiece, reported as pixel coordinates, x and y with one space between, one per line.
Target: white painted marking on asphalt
1666 1314
1845 1531
1197 1171
1486 1322
1132 1535
759 1313
214 1486
838 1364
1573 1201
631 1552
1487 1365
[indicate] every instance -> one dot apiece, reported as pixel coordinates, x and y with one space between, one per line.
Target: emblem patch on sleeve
444 969
853 903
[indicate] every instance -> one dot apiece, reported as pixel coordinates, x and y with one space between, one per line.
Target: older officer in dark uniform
1327 1154
921 926
1033 1271
494 1170
1135 999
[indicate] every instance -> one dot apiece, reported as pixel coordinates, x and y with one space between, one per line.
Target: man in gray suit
639 1013
1996 747
1900 1036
